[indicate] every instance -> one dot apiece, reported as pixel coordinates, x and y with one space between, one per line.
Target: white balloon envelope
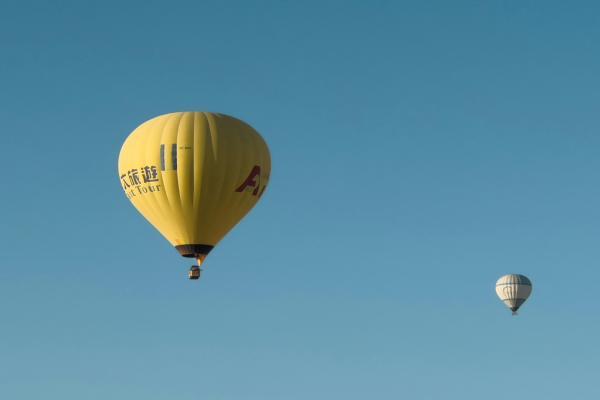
513 290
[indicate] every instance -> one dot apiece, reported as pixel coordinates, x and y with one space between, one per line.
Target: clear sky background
420 151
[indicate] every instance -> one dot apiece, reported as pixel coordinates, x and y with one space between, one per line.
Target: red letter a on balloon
252 181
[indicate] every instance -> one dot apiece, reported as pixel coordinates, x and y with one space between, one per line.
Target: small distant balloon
513 290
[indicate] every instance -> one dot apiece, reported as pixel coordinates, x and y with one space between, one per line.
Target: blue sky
420 151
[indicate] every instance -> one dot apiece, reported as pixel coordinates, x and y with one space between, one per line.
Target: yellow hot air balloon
194 176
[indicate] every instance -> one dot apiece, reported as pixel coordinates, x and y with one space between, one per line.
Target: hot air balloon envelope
513 290
194 176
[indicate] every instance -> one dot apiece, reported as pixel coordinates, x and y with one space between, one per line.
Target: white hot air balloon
513 290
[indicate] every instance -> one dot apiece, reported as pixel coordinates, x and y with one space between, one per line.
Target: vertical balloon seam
235 199
180 175
153 146
180 169
185 137
199 154
226 150
193 144
186 182
238 160
161 128
208 166
213 155
242 202
235 153
184 185
209 181
158 132
173 199
177 194
149 203
213 133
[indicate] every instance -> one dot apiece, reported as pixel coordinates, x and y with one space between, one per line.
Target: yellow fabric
194 175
